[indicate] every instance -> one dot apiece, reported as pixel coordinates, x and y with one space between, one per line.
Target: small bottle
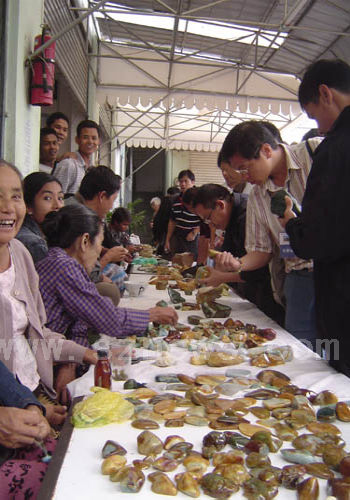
103 370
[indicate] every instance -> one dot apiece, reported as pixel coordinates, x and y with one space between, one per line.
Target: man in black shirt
227 211
322 230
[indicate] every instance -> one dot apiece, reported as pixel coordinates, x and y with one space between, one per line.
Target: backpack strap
309 149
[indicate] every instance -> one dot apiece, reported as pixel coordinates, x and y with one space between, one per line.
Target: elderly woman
31 348
74 236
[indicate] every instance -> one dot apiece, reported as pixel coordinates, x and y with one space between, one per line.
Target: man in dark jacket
227 211
322 232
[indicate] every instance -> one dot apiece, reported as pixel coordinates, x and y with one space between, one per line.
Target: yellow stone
165 406
250 429
210 379
174 415
112 464
143 393
318 427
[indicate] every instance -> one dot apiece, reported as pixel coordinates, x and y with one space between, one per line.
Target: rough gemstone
131 479
298 456
187 484
308 489
319 470
161 484
112 464
255 489
112 448
149 444
142 423
343 411
217 486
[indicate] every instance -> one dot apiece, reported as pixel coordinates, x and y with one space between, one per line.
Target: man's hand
114 254
214 279
20 427
55 414
105 279
117 253
226 262
191 236
288 213
167 247
163 315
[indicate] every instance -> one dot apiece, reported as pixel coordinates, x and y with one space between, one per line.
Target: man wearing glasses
270 166
227 211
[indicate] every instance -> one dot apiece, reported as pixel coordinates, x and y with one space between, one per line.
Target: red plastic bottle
103 371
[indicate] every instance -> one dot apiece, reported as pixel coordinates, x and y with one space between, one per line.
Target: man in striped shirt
184 225
251 149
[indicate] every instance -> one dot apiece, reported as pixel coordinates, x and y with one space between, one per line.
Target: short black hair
56 116
120 215
173 190
88 124
189 196
186 173
208 194
47 131
246 139
273 129
98 179
63 227
334 73
33 183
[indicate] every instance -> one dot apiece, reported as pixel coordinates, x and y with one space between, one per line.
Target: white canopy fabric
202 106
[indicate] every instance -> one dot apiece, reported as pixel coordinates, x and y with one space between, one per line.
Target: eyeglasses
207 220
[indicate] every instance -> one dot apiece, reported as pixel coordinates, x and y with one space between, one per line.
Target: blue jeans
12 393
300 313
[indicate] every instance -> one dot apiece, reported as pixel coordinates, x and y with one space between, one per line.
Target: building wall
202 163
22 121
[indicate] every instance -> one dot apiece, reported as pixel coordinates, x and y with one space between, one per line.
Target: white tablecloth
80 475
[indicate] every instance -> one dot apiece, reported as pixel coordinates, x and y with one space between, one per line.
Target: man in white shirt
71 171
252 149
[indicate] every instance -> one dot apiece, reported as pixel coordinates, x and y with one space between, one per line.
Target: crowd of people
61 272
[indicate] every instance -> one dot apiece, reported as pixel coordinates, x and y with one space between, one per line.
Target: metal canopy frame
301 20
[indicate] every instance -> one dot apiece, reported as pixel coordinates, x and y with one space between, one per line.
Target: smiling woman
22 313
12 209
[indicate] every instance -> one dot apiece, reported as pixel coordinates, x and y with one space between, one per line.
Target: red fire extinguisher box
43 71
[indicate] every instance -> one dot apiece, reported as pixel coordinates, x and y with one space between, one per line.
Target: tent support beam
238 22
145 162
134 65
70 26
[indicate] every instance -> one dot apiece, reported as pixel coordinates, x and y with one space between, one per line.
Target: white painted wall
22 122
175 162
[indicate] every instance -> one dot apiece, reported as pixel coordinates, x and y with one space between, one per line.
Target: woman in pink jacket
27 348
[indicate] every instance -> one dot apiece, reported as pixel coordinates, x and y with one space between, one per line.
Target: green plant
137 216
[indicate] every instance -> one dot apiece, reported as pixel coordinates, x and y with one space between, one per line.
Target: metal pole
144 163
65 30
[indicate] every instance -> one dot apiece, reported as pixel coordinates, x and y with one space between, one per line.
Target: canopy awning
181 74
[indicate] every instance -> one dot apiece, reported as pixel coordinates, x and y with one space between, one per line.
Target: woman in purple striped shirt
73 305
